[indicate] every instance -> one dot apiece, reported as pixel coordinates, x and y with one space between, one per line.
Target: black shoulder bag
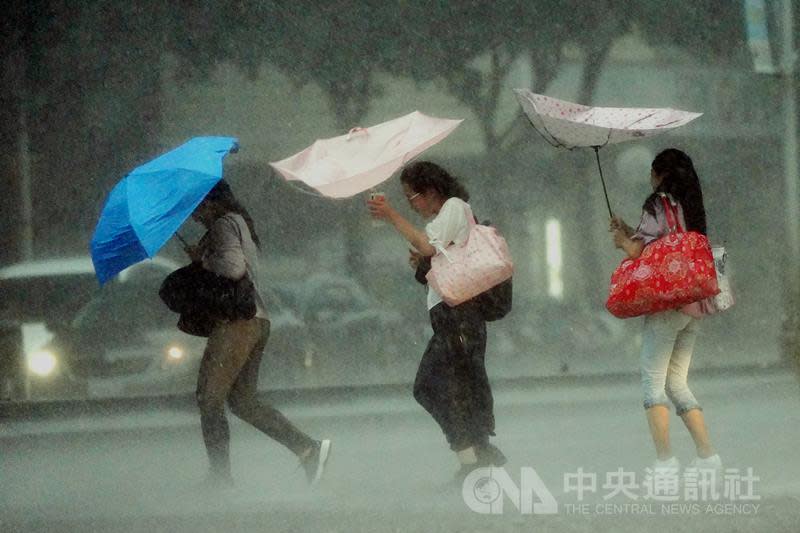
202 297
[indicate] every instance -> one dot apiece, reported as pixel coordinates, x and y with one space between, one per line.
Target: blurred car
124 341
290 346
81 341
354 334
33 295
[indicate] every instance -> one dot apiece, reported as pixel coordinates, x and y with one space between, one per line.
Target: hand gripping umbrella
568 125
343 166
147 206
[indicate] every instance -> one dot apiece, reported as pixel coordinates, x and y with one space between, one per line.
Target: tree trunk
582 192
10 186
350 101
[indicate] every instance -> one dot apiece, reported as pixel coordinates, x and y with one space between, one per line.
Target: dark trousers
451 382
229 371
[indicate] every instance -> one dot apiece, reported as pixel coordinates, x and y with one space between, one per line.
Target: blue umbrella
148 205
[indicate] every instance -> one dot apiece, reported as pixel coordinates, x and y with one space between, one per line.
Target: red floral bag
674 270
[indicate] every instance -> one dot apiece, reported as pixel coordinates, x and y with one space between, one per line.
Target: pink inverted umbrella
346 165
569 125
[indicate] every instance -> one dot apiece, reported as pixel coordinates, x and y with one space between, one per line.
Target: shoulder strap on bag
471 220
673 222
235 221
238 225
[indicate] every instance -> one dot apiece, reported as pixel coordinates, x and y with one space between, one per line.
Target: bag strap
671 212
238 225
471 221
234 220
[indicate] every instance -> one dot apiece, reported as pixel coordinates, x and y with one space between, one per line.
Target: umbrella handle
355 130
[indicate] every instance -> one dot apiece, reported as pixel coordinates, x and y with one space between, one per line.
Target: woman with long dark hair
229 368
669 337
451 382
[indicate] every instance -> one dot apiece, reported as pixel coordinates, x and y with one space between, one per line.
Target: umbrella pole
602 180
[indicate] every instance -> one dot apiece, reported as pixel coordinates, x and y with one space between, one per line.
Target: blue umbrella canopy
145 209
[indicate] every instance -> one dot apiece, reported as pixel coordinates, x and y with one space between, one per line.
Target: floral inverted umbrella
569 125
346 165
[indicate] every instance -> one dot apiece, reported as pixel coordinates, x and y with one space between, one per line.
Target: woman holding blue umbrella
229 368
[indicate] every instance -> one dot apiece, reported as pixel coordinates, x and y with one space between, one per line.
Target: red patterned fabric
674 270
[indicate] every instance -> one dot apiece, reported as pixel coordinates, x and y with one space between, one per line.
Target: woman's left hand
620 238
617 223
632 247
379 208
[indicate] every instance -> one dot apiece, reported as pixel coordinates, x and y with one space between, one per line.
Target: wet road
141 471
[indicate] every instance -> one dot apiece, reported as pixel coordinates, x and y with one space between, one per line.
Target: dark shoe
462 473
314 463
490 455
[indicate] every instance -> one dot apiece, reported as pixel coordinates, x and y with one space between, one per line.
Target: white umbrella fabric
346 165
570 125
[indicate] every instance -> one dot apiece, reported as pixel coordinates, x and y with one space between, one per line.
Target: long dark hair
680 180
222 195
424 175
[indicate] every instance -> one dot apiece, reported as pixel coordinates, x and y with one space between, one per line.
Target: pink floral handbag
674 270
461 272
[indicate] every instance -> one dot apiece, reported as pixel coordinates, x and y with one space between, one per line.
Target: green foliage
91 70
708 30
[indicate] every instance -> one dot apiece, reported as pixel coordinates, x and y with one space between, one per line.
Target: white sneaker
314 463
712 463
704 471
667 465
709 466
663 469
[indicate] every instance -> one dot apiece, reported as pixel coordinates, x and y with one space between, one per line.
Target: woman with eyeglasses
451 382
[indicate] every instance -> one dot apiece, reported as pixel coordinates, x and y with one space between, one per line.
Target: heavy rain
113 418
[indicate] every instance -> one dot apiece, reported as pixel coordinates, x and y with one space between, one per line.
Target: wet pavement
141 470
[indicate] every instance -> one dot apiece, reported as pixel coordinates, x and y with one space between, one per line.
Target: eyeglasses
409 198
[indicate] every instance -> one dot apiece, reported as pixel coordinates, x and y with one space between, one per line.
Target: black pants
451 382
229 372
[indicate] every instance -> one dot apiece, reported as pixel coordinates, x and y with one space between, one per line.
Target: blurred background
92 89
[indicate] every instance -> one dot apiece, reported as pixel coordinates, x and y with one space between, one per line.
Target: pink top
654 227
